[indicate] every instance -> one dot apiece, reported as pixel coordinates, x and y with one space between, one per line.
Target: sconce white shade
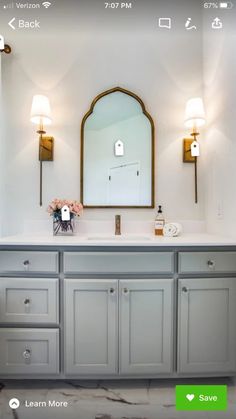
194 113
41 110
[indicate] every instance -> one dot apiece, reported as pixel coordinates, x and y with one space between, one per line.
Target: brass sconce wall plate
46 148
187 156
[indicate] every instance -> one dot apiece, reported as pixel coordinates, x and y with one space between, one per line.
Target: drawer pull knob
27 305
125 291
211 264
27 301
112 291
27 354
26 264
184 289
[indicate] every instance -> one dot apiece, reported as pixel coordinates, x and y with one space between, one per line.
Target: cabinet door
146 326
90 327
207 332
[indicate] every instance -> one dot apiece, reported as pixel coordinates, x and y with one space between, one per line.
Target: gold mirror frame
97 98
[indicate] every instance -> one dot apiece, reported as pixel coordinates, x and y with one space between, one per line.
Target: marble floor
131 399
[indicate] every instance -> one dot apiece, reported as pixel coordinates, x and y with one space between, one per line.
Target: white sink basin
121 238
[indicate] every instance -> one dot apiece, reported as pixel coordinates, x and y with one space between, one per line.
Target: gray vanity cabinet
112 312
146 326
91 335
206 329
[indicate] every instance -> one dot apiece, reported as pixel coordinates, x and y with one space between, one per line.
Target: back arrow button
10 23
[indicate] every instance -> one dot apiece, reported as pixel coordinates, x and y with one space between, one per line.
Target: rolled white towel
172 229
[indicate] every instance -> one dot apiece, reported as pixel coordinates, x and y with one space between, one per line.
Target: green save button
201 397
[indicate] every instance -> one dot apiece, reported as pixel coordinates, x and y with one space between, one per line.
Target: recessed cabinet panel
207 262
146 326
29 351
28 300
91 327
118 262
27 261
207 333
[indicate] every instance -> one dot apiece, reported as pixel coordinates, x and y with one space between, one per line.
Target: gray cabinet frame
175 275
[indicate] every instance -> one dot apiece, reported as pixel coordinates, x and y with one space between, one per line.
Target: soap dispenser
159 222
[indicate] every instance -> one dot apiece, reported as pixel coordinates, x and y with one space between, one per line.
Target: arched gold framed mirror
117 152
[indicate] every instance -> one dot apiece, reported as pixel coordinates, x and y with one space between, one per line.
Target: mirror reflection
117 159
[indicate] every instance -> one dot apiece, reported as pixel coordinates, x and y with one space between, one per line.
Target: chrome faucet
117 225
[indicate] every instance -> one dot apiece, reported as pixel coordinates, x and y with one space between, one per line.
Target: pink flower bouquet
60 226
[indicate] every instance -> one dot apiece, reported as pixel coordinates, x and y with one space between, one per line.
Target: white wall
72 66
220 94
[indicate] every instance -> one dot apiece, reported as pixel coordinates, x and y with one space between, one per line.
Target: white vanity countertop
193 239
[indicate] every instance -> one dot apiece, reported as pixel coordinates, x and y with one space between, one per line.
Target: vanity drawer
27 261
29 351
28 300
118 262
207 262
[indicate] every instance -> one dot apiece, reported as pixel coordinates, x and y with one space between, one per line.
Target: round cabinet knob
125 291
27 301
26 264
112 291
27 305
211 264
27 354
184 289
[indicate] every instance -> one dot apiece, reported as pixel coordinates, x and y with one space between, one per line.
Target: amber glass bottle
159 222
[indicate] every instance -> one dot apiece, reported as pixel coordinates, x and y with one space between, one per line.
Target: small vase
63 228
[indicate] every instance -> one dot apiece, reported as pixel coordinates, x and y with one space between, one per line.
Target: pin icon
14 403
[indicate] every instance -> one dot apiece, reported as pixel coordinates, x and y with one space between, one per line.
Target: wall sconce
194 118
41 115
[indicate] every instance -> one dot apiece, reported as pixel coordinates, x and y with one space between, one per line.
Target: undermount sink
119 238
